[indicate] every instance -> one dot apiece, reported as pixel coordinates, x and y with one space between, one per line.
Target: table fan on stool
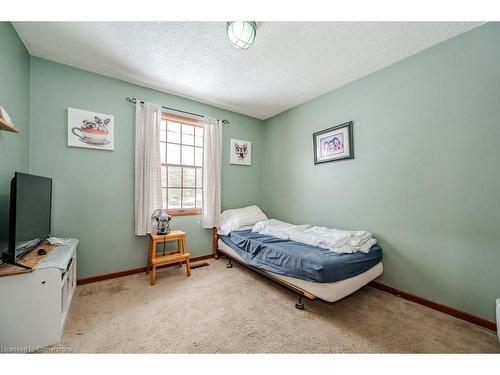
161 221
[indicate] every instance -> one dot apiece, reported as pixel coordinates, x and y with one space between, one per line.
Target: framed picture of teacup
90 130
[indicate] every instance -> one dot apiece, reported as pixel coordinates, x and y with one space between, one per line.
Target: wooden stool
178 256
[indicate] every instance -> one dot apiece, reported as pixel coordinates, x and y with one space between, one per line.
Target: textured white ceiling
290 63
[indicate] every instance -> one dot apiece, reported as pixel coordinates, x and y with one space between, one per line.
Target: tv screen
29 214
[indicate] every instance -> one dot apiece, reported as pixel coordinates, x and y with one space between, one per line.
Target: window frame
188 121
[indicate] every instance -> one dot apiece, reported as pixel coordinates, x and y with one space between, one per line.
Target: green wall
14 97
93 189
426 174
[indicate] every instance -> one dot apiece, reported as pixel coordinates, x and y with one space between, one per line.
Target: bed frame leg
229 263
299 305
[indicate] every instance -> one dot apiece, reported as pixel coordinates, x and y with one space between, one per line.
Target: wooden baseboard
201 257
437 306
114 275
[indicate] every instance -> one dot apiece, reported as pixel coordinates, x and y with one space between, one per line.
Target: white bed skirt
330 292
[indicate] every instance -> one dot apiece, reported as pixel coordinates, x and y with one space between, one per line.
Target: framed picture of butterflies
240 152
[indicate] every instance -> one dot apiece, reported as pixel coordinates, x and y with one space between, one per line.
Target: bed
308 270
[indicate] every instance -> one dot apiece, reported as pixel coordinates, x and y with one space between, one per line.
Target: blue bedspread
299 260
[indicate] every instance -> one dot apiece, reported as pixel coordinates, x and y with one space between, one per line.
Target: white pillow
238 218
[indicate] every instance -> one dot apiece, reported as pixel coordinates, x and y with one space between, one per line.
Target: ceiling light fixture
241 34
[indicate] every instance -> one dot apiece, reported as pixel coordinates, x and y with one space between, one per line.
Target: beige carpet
220 310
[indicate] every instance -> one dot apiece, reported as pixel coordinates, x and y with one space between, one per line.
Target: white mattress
326 291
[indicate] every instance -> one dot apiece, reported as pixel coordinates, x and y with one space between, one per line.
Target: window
181 164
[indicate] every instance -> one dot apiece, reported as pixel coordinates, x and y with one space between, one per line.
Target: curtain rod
134 101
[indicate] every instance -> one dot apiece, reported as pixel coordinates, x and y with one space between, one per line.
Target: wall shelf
4 125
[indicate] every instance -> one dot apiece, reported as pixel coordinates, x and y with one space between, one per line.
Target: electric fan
161 221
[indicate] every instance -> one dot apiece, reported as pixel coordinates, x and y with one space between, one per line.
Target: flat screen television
29 214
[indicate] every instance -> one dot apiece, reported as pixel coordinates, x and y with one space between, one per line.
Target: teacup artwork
93 132
90 130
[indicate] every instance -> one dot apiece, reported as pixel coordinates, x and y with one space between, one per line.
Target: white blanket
339 241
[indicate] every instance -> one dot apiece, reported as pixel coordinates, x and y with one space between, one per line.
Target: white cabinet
34 306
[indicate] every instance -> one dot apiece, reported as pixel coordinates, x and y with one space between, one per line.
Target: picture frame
90 130
333 144
240 152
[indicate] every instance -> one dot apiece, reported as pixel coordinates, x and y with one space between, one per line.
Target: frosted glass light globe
241 34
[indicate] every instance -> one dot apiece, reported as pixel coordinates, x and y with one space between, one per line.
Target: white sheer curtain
147 165
212 162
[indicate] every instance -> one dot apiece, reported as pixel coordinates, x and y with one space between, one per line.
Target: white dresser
34 305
